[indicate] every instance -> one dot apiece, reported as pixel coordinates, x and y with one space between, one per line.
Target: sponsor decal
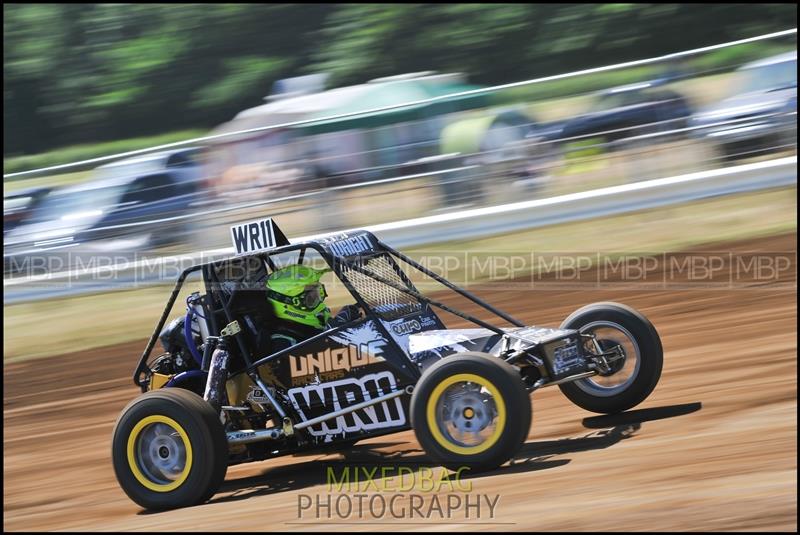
257 236
407 327
361 345
566 358
317 400
332 360
351 246
428 321
240 434
257 395
402 329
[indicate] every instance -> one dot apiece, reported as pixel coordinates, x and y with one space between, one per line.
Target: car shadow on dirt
367 459
641 415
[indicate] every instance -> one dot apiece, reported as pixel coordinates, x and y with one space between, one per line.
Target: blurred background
283 100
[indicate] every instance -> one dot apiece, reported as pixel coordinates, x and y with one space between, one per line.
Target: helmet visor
312 296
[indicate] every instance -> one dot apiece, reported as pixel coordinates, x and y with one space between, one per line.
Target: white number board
256 236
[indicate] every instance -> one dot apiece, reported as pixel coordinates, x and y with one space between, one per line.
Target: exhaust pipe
247 436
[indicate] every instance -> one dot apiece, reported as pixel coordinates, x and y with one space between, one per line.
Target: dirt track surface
713 448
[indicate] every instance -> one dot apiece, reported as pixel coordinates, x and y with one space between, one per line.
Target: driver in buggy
297 299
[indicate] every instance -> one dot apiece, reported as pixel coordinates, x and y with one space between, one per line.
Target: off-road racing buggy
217 397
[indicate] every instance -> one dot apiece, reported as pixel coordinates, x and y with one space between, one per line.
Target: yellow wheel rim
469 412
154 449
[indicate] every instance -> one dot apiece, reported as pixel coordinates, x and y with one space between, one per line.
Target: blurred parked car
627 111
761 115
125 208
19 205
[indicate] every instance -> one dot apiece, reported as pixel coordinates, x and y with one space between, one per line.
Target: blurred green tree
77 73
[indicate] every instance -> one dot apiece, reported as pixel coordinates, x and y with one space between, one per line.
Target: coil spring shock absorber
215 392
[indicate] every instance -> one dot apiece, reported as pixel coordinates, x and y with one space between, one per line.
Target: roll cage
348 255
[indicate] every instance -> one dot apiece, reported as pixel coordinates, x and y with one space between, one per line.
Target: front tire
630 382
169 449
471 410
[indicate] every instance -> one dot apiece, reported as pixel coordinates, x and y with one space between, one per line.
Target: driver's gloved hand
346 314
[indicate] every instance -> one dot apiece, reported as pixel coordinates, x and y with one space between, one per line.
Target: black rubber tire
651 352
506 379
206 436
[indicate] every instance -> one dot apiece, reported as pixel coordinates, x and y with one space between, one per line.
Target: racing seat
242 292
249 306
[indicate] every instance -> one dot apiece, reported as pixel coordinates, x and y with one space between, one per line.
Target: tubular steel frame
336 263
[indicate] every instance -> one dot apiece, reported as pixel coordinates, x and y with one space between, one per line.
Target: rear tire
634 382
471 410
169 449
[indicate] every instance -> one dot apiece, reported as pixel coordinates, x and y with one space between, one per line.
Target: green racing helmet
296 295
